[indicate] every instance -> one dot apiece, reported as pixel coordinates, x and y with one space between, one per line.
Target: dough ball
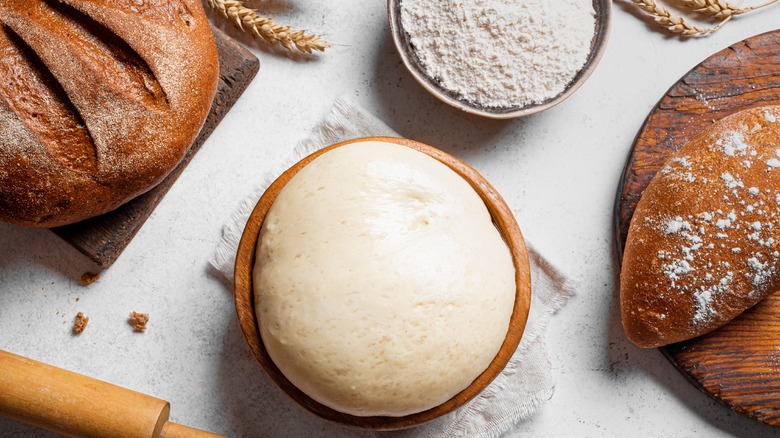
382 286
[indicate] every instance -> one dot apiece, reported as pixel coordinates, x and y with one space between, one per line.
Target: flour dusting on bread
99 102
702 246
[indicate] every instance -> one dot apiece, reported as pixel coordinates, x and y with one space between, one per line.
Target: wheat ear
250 21
720 8
673 23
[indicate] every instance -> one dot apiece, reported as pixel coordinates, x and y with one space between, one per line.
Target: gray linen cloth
527 381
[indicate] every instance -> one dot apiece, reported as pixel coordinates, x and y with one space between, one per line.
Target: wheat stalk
720 9
673 23
250 21
714 8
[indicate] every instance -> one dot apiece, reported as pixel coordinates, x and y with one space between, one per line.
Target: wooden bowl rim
505 223
598 45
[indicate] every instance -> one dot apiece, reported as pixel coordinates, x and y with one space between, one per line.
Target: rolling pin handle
173 430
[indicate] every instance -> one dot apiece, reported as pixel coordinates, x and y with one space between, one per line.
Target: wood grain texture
738 364
103 238
79 406
505 222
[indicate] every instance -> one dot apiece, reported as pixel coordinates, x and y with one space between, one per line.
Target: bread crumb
89 278
138 321
80 323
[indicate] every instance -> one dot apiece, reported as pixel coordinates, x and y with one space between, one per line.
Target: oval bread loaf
703 245
99 101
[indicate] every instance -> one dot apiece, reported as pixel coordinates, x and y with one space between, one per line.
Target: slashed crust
99 101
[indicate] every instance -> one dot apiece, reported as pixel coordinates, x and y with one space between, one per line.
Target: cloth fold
527 381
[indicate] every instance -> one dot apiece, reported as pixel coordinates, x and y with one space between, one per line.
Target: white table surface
558 171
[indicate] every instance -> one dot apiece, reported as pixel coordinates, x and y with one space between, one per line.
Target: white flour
730 217
501 53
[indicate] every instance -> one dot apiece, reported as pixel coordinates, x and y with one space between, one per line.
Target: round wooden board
738 364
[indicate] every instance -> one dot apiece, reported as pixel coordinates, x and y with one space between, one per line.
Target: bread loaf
703 245
99 101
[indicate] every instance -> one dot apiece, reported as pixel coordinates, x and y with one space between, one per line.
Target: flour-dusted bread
703 243
382 286
99 101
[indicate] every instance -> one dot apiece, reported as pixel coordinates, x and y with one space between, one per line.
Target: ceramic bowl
597 46
504 221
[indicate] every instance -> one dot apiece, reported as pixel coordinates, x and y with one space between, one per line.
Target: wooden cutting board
103 238
738 364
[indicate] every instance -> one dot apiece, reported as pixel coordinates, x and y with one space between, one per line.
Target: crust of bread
99 101
703 242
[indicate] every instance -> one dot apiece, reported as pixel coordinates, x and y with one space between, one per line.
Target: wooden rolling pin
78 406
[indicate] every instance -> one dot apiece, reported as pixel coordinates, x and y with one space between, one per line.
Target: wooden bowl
504 221
597 46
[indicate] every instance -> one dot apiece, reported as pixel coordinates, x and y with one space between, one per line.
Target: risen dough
382 286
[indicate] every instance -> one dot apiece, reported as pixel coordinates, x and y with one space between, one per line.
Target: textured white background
558 170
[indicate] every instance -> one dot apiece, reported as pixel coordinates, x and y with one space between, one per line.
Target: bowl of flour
500 58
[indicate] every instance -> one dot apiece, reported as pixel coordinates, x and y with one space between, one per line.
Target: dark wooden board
103 238
738 364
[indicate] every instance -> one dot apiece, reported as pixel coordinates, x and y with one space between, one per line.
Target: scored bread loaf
703 245
99 101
